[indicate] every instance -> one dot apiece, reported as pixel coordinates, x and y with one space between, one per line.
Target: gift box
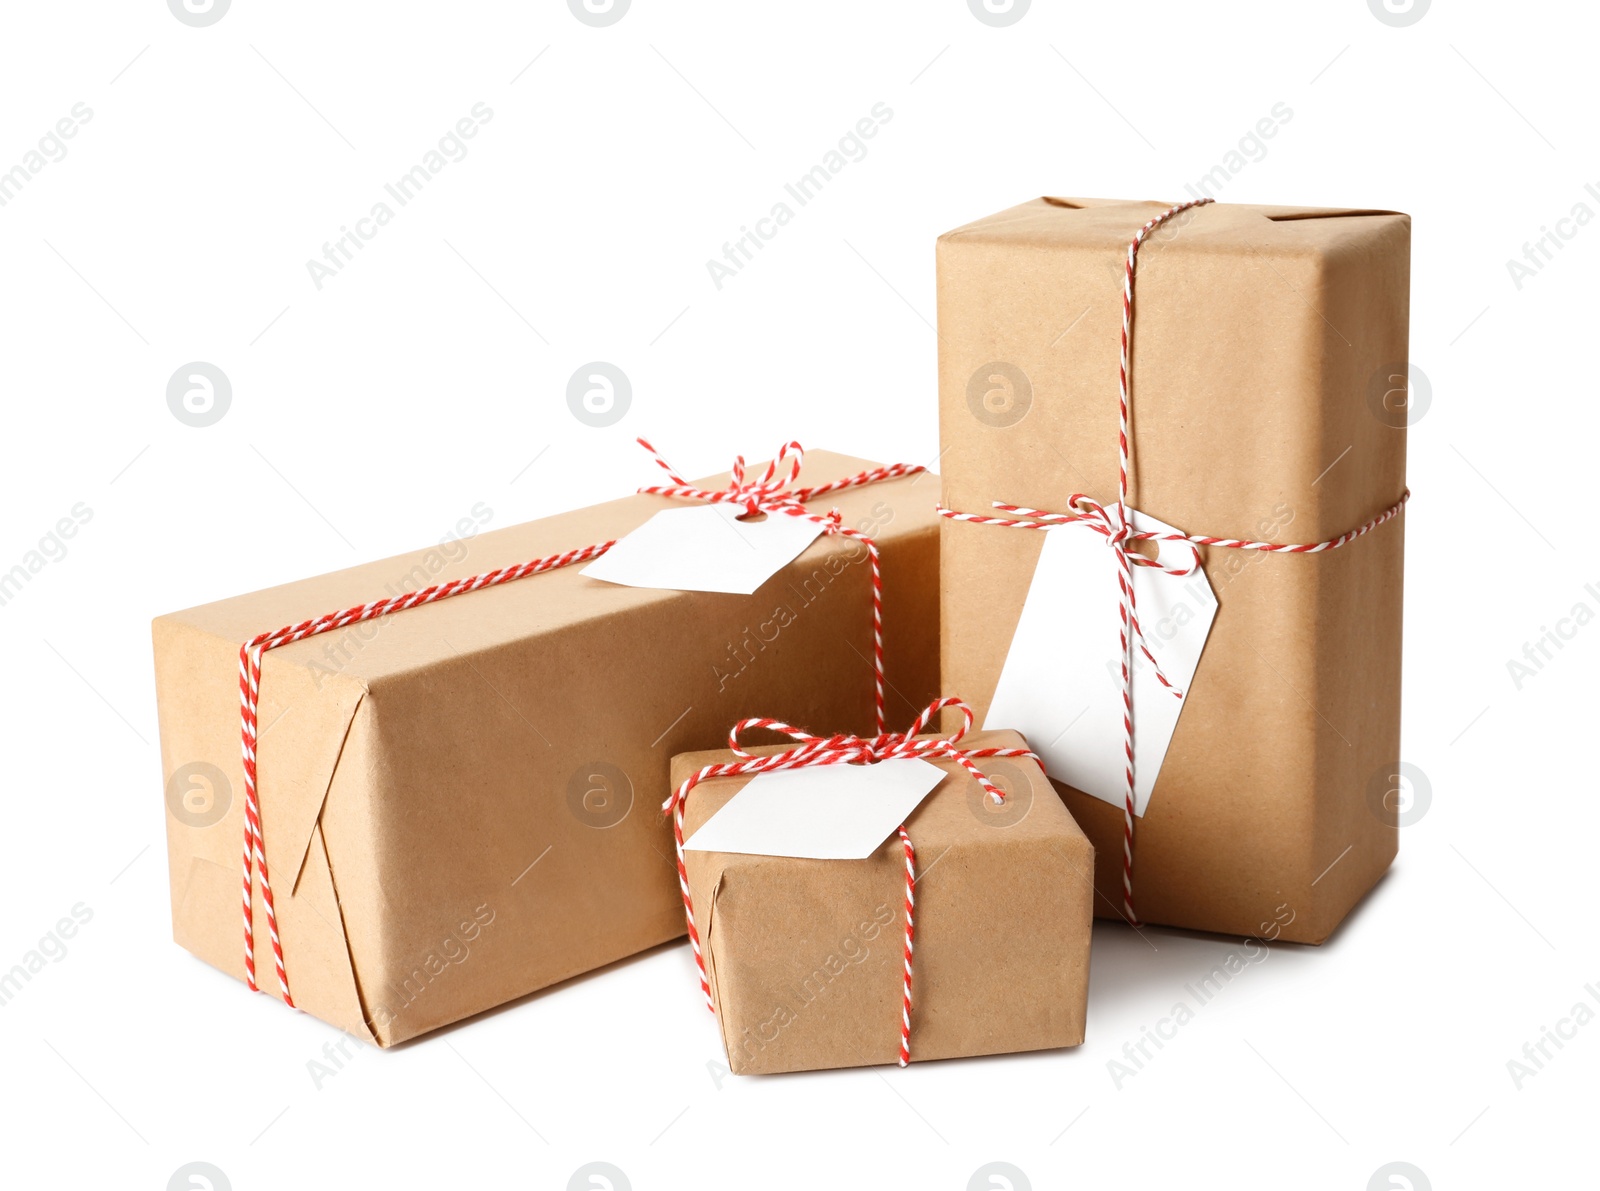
456 801
1265 414
805 960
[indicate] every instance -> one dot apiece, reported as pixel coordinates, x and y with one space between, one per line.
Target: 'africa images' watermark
1399 394
1013 784
850 953
1399 1176
199 1176
1536 254
1399 13
1537 1054
1399 793
51 547
391 1000
50 148
599 13
749 646
999 13
999 394
599 394
450 148
598 1176
1251 147
50 949
340 649
1139 1053
335 1057
197 14
199 394
999 1176
199 794
1543 649
599 794
851 147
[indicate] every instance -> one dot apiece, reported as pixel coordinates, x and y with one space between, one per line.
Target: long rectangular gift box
808 962
458 801
1263 400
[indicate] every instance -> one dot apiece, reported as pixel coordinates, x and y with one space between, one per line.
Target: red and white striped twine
766 494
771 493
1113 524
250 696
840 749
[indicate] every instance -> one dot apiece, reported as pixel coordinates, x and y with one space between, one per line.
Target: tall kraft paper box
461 800
1269 368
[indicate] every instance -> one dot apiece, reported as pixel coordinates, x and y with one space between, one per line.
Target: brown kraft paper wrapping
460 800
1268 349
804 956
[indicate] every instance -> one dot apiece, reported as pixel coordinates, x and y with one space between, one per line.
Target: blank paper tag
1061 685
705 549
824 812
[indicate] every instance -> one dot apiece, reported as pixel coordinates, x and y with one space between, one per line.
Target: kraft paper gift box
1268 402
459 800
804 957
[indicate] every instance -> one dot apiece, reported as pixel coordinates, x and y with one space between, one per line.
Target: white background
369 415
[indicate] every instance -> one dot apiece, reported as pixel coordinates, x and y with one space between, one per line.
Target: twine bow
771 493
1117 529
840 749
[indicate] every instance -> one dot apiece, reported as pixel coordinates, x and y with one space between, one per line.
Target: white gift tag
1061 685
706 548
823 812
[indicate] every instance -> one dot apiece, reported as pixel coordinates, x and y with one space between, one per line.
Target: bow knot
883 746
888 747
1117 529
772 492
1115 525
844 748
769 491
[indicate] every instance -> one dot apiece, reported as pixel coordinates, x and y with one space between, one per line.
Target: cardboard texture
804 956
460 801
1267 345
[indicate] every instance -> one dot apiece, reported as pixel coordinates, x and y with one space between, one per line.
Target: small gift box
959 927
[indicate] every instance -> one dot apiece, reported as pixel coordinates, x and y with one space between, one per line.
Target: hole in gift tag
752 518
